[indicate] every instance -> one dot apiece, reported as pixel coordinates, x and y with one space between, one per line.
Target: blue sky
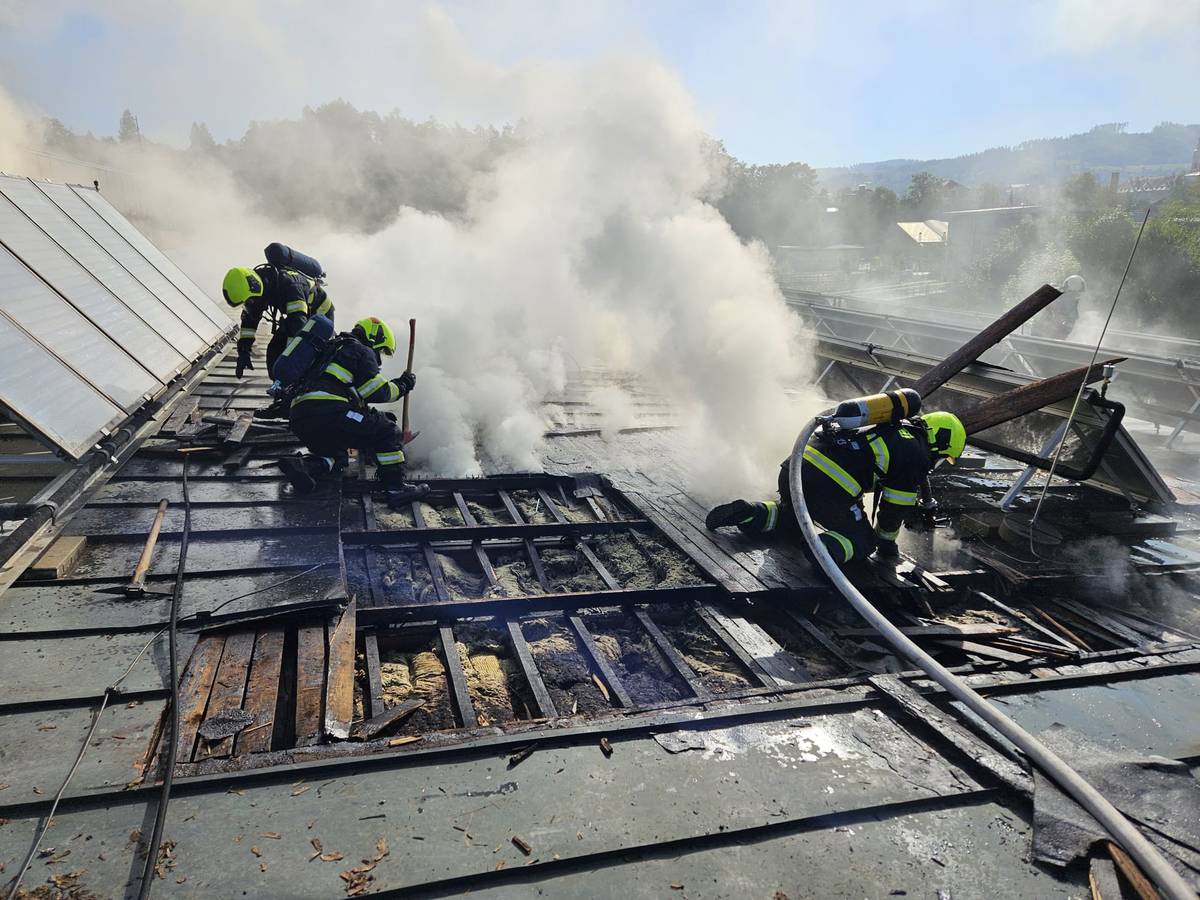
823 82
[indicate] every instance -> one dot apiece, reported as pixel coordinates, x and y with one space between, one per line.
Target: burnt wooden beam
606 576
485 564
310 683
541 696
436 575
597 658
262 692
339 680
924 712
535 558
465 533
457 678
705 612
986 339
1031 397
229 688
374 673
672 655
194 688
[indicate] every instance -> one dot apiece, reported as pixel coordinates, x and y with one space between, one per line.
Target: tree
201 139
128 129
1083 193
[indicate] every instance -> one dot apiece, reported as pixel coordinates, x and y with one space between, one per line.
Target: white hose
1123 832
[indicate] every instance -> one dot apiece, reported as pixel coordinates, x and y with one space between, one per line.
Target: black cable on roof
160 815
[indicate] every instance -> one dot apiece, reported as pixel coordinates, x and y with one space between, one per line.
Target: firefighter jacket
888 460
350 380
291 294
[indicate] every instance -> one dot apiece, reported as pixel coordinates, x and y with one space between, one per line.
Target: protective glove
243 362
887 549
405 383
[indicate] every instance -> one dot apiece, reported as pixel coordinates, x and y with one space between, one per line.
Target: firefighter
288 292
332 412
889 460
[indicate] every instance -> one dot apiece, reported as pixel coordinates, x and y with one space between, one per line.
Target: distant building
921 246
971 233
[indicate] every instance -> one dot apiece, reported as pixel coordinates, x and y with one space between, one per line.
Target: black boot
277 410
735 512
397 491
303 471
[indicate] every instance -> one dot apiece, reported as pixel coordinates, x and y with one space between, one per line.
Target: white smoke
589 243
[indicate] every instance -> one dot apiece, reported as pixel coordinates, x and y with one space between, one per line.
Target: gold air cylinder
878 409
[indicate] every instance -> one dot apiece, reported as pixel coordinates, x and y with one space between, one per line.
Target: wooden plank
606 576
59 560
935 631
228 689
458 678
1022 617
262 692
1102 620
736 580
511 508
748 662
181 414
984 650
822 639
436 575
339 678
541 696
924 712
238 432
551 506
673 656
463 509
310 683
1145 889
389 717
535 558
616 690
194 688
374 674
777 663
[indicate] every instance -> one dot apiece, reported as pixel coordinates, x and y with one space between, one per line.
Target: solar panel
76 285
118 246
48 319
49 398
94 320
156 258
36 202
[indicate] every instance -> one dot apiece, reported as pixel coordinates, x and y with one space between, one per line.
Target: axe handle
412 345
143 563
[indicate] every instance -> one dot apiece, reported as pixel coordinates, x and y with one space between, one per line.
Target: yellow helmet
240 285
376 334
946 435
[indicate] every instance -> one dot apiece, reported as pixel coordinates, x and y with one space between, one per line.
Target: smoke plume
589 240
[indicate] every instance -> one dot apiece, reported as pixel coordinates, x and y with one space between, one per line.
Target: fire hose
1071 782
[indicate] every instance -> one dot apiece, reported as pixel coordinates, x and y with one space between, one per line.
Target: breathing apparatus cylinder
877 409
285 257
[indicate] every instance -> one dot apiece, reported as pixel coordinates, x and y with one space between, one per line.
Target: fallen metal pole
1071 782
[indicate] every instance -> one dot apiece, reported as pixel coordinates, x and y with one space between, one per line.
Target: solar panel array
94 319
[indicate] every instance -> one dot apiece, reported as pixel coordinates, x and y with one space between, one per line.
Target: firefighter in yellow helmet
891 461
333 411
289 293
